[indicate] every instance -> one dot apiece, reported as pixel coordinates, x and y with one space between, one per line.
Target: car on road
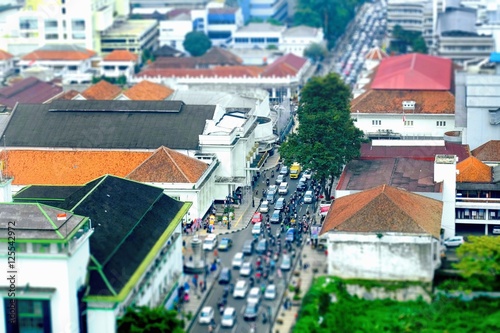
261 247
225 244
206 315
210 242
280 179
454 241
251 311
301 186
307 174
254 295
257 217
270 292
290 235
225 276
256 228
228 317
283 189
280 204
276 217
240 289
309 197
248 247
284 170
246 269
286 263
238 260
264 206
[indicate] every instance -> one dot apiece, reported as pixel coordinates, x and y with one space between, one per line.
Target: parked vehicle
307 174
225 244
271 197
206 315
309 197
251 311
257 217
283 189
254 295
284 170
210 242
225 276
240 289
248 247
246 269
261 246
286 263
238 260
276 217
264 206
280 179
295 170
270 292
256 228
454 241
228 317
280 204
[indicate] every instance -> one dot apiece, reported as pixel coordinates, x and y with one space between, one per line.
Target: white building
382 236
258 35
75 22
119 63
6 64
173 30
135 36
296 39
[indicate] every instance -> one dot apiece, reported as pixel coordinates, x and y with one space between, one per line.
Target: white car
246 269
454 241
240 289
283 189
270 292
228 317
308 197
264 207
307 174
256 228
254 295
280 179
238 260
206 315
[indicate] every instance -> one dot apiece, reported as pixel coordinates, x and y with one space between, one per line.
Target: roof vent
495 116
408 105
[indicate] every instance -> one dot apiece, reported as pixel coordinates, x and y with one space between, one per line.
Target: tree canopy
479 262
326 138
146 320
315 52
196 43
407 38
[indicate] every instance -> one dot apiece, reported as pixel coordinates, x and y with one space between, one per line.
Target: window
78 25
376 122
72 68
50 24
78 35
63 10
408 122
51 36
28 24
33 315
440 123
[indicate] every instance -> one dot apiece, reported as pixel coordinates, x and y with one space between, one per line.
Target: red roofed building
119 63
411 96
6 64
283 78
29 90
72 63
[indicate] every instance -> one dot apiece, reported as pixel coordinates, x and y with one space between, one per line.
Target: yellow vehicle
295 170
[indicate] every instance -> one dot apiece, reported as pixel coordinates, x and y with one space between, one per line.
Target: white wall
403 257
173 33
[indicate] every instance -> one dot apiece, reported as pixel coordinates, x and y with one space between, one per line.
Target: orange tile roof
59 55
385 209
472 170
56 167
488 152
148 91
169 166
390 101
121 55
67 95
102 91
376 54
5 55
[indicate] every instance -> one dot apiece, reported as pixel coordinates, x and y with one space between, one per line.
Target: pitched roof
301 31
101 91
414 71
287 65
63 167
222 71
121 55
108 124
376 53
128 218
488 152
168 166
472 170
415 175
148 91
216 56
29 90
60 52
385 209
167 51
391 101
5 55
68 95
428 153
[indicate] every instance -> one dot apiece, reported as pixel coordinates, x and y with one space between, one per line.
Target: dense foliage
403 39
196 43
332 15
315 52
146 320
321 314
326 138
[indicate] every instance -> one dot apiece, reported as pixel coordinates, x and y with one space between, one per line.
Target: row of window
439 123
272 40
50 24
65 36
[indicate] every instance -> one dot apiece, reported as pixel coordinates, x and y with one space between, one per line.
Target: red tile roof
102 91
427 153
385 209
223 71
414 72
376 54
5 55
67 95
121 55
55 167
287 65
472 170
29 90
488 152
390 101
169 166
148 91
76 54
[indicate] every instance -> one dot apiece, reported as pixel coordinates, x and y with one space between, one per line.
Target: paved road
239 304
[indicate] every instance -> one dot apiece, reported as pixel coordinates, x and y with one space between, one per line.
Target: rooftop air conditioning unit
409 105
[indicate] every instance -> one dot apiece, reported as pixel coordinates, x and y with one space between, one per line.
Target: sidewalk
243 215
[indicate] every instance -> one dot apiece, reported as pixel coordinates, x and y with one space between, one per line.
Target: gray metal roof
457 20
107 125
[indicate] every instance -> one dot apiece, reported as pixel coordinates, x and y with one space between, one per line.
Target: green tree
315 52
418 45
404 38
146 320
196 43
326 138
479 262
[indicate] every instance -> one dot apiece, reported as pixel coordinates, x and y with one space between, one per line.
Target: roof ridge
88 193
173 160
